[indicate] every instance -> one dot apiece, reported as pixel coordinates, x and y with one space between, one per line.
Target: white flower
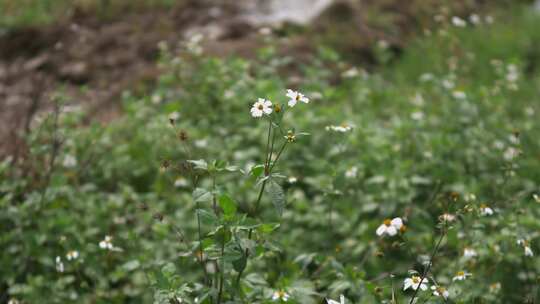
456 21
526 247
13 301
174 117
485 210
350 73
417 115
343 128
426 77
459 95
447 218
390 227
415 282
510 153
261 107
469 252
292 179
495 287
439 291
536 198
180 182
341 300
461 275
69 161
106 243
72 255
475 19
352 172
280 295
295 97
59 264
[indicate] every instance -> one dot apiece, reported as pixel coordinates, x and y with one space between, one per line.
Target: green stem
222 270
426 271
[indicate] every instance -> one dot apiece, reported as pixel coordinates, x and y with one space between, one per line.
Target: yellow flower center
416 279
297 97
387 222
460 273
261 107
483 206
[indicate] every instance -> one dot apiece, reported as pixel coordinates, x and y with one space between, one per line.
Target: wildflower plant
230 235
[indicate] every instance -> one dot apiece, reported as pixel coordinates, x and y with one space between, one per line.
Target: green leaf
227 205
207 217
277 196
257 170
240 264
201 195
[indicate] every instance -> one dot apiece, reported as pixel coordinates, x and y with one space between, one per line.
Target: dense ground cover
179 200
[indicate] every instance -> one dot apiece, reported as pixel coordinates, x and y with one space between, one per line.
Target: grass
24 13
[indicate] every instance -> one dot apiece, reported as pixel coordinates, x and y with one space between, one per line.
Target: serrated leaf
277 196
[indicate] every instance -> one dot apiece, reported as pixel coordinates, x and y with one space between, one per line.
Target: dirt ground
92 61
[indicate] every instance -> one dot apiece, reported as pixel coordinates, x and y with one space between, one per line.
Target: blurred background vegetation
444 118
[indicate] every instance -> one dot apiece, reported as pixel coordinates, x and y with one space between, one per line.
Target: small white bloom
426 77
526 246
417 115
59 264
69 161
458 22
295 97
415 282
174 116
72 255
292 179
261 107
352 172
461 275
13 301
350 73
280 295
447 218
469 252
448 84
180 182
106 243
511 153
459 95
495 287
536 198
439 291
341 300
475 19
390 227
156 98
485 210
470 197
343 128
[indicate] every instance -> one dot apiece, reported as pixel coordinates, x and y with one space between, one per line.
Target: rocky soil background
91 60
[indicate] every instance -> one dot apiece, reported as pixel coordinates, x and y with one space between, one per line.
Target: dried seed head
182 135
